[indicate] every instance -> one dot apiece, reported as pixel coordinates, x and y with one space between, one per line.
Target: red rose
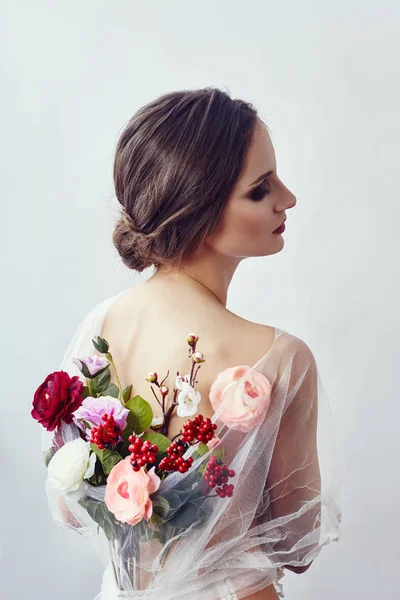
56 399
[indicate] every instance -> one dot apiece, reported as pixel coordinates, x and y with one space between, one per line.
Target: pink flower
94 364
128 491
92 409
241 396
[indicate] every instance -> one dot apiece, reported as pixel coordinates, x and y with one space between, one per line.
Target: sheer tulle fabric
284 508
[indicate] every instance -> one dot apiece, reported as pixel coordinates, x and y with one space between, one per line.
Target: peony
70 465
92 409
242 395
56 399
94 364
127 492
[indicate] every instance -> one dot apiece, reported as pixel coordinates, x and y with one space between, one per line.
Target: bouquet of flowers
120 460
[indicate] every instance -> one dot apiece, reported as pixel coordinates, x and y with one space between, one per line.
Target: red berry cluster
142 452
217 473
175 461
199 428
105 436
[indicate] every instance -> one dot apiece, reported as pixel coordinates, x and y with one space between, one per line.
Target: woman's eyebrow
263 176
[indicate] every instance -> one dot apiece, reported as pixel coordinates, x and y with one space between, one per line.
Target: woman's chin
277 245
272 249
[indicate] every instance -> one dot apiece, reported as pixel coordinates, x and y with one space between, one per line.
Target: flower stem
89 383
167 416
155 396
191 379
120 397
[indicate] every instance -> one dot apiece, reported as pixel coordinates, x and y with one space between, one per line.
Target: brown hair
176 163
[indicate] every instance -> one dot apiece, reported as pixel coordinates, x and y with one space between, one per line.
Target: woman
196 175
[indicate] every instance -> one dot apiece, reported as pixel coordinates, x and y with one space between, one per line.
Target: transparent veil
284 508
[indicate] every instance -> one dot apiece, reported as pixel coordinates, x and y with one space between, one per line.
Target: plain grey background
325 77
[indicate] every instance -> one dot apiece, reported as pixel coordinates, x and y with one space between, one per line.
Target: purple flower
92 409
94 364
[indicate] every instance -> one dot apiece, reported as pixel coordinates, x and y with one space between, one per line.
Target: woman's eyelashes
259 192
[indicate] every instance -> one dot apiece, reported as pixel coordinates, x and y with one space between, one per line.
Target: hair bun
134 246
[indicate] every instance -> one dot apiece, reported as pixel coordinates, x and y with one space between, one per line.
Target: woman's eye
259 192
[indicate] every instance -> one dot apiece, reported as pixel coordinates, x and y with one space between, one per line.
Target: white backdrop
324 76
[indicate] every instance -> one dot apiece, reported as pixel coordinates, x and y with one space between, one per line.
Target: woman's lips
280 229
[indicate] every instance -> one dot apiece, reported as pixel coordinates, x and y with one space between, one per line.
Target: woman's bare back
147 327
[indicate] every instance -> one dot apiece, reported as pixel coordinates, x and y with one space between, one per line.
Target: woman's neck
214 274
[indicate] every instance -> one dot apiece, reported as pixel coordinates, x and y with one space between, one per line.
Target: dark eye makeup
259 192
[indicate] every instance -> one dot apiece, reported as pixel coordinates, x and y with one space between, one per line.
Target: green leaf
47 455
202 449
98 511
108 458
111 390
94 388
130 422
158 439
126 394
173 499
156 519
103 380
161 506
219 453
142 413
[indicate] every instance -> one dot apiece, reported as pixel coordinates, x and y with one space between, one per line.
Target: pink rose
128 491
242 395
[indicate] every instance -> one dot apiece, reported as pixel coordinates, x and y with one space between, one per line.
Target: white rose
188 400
157 421
70 465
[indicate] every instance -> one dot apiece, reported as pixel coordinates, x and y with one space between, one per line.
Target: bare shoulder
297 350
298 346
289 345
250 338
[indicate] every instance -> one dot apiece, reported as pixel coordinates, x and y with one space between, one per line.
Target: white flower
188 399
70 465
182 380
156 421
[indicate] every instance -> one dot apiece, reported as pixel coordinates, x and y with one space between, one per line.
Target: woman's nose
292 200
